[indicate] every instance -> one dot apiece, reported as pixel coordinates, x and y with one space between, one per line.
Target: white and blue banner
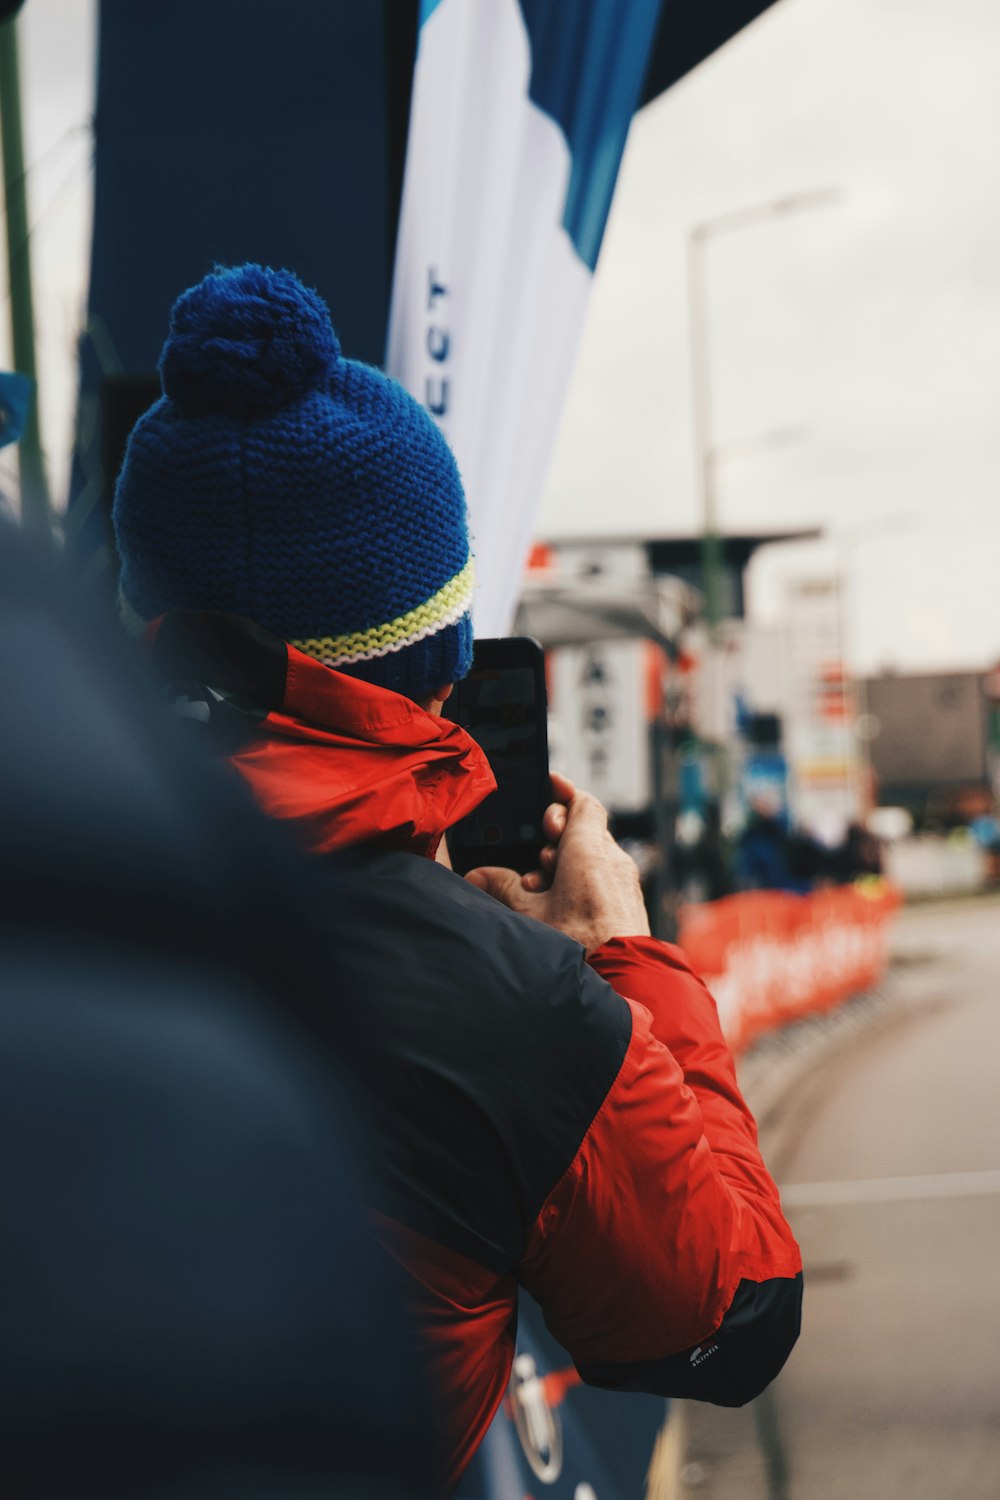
558 1439
518 122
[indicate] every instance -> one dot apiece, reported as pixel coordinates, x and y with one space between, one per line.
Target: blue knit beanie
277 480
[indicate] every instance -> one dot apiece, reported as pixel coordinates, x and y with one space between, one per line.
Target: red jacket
575 1127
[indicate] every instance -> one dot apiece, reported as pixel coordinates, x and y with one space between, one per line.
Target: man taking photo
553 1104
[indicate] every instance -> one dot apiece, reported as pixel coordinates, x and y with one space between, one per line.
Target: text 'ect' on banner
518 122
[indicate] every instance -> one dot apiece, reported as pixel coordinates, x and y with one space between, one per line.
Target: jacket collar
340 760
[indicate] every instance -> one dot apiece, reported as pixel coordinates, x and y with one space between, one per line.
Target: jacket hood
340 760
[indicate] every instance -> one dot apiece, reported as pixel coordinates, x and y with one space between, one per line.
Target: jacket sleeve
661 1257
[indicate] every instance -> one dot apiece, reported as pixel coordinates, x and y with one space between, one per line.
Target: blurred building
932 743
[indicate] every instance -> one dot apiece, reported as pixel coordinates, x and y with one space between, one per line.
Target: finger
503 885
540 879
563 790
554 821
489 877
586 818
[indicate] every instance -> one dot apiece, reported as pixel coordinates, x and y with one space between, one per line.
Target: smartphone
502 704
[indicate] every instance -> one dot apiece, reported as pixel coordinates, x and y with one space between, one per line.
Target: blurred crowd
768 854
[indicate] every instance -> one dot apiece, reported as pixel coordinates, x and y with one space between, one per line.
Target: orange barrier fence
769 957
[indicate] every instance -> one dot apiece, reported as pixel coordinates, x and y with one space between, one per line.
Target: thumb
503 885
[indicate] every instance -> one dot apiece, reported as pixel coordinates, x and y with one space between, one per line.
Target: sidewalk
922 935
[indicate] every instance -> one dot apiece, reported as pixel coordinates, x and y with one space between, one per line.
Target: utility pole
35 505
699 237
706 452
711 545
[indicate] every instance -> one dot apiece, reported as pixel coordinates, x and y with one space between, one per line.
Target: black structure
690 31
681 556
268 130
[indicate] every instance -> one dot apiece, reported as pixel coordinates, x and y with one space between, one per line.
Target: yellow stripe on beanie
440 610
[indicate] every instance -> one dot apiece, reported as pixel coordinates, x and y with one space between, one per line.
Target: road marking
890 1189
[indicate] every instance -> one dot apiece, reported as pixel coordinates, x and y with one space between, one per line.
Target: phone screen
502 705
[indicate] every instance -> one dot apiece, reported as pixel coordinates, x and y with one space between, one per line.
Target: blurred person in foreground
192 1300
555 1105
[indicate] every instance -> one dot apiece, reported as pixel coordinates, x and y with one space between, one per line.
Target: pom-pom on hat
277 480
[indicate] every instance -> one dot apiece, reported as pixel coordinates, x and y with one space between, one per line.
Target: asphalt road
888 1154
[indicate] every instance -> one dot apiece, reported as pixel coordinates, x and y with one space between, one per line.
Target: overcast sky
869 330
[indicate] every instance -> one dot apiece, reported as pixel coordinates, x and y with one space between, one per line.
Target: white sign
600 738
819 727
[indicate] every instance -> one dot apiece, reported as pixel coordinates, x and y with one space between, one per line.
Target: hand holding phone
586 886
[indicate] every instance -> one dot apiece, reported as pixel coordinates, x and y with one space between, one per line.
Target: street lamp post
699 237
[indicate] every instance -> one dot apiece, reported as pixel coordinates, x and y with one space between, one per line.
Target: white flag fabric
518 122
